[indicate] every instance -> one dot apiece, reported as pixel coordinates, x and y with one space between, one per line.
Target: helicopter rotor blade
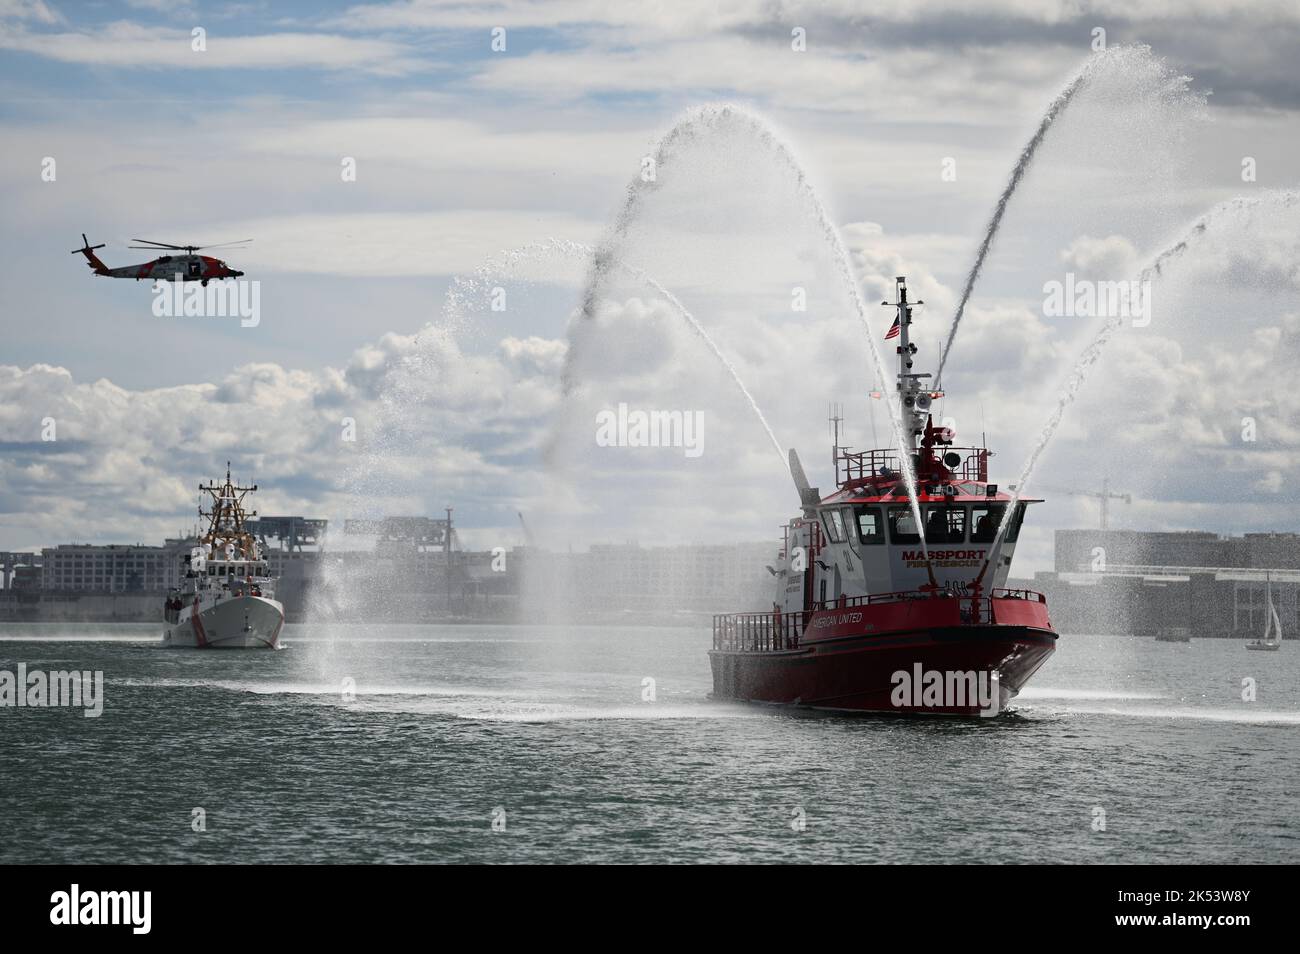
185 248
157 244
228 244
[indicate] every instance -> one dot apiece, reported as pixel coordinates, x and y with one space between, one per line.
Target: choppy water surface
449 724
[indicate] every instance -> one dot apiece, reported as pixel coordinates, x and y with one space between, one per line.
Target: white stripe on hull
242 622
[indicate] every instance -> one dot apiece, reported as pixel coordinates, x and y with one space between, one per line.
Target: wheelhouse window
834 523
984 522
945 524
871 528
902 526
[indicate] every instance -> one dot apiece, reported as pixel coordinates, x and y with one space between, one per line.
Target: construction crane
1104 496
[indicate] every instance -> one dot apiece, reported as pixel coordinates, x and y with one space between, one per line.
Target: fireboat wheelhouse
870 614
226 599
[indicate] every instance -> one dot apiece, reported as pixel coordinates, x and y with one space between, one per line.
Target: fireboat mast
914 401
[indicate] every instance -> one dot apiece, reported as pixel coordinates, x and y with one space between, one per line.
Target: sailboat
1272 626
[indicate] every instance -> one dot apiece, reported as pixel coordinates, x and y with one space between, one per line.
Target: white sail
1272 638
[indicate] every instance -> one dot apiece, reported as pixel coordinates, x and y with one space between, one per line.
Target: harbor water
519 744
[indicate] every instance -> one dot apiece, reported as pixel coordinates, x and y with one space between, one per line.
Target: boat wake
472 709
1242 716
1046 692
471 703
142 638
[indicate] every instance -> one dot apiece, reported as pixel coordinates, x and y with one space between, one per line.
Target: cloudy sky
480 169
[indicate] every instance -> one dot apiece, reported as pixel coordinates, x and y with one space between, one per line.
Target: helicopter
186 267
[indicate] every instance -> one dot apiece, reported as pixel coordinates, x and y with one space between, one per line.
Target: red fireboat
870 614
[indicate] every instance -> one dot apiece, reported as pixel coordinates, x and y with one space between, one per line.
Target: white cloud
1112 257
33 10
124 461
131 45
175 8
687 19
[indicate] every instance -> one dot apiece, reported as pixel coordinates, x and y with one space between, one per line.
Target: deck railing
1002 593
758 632
858 467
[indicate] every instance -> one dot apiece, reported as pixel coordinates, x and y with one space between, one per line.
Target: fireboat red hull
848 659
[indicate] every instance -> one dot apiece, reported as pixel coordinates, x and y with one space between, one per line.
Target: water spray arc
1017 174
690 319
463 289
1090 355
703 121
1143 81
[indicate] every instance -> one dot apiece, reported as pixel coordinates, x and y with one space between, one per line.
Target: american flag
893 330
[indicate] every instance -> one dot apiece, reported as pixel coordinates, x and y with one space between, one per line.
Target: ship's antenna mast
915 403
226 519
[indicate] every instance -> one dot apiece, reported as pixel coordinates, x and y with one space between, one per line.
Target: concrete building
1126 581
113 568
697 578
650 584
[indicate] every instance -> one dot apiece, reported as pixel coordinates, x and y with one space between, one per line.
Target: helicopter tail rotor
92 259
86 246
